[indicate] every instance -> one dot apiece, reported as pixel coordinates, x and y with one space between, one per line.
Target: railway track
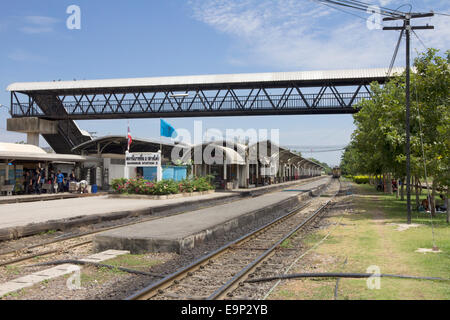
219 274
64 243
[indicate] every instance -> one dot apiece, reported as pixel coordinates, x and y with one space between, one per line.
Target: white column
159 174
6 171
126 172
225 174
247 174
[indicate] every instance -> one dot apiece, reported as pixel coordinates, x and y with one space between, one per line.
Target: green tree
378 143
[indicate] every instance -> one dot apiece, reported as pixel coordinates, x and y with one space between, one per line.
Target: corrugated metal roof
24 148
11 151
204 80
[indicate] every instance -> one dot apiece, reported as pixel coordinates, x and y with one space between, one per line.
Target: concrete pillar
33 139
225 174
238 176
247 174
257 173
7 173
33 127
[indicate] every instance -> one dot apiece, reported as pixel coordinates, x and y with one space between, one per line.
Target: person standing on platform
60 181
52 181
72 177
41 180
37 180
34 179
28 182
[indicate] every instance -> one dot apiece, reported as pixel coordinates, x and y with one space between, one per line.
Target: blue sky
121 39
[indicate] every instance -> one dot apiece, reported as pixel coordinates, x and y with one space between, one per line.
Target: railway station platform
26 219
45 197
30 215
177 233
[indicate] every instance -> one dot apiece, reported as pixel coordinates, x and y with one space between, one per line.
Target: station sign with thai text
143 159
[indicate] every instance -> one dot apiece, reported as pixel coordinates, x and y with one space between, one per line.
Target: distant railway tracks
223 273
69 241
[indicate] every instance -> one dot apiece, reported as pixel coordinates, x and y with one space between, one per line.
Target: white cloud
290 34
38 24
20 55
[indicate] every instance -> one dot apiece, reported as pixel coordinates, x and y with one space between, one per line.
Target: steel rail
17 251
41 254
158 287
233 283
175 278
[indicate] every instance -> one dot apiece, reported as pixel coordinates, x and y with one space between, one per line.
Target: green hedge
164 187
361 179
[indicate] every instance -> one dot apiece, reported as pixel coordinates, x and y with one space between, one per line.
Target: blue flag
167 130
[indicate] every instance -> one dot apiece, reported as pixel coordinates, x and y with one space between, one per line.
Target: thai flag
130 140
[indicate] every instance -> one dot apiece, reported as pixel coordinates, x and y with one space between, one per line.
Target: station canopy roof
207 82
226 149
25 152
276 153
237 153
119 144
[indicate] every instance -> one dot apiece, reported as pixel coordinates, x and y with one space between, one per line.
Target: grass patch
138 262
15 294
100 275
49 232
366 239
15 270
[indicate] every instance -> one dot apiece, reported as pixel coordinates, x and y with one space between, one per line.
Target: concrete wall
32 125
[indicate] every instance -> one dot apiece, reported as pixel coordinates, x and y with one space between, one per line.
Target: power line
384 8
320 151
406 17
442 14
342 10
358 5
418 38
394 57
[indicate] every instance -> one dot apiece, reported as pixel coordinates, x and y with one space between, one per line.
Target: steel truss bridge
284 93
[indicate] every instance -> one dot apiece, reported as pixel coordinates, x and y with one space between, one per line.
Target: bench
8 190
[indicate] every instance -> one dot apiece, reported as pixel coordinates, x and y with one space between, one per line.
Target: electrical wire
442 14
394 57
384 8
98 265
358 5
420 40
342 10
301 256
424 160
341 275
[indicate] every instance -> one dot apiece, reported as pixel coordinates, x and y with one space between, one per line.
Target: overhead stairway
69 134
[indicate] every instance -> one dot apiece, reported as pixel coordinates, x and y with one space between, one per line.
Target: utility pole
407 28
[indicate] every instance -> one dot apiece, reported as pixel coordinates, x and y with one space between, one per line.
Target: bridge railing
195 104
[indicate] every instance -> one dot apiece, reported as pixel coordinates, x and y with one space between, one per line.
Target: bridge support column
33 139
33 127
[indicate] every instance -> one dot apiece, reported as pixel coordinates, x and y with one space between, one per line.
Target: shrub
165 187
361 179
202 184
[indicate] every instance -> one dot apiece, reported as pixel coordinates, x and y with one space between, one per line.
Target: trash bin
94 188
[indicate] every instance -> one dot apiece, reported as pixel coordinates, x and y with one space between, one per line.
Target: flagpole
126 173
160 151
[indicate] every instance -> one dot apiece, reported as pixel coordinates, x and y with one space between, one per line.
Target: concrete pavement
173 234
